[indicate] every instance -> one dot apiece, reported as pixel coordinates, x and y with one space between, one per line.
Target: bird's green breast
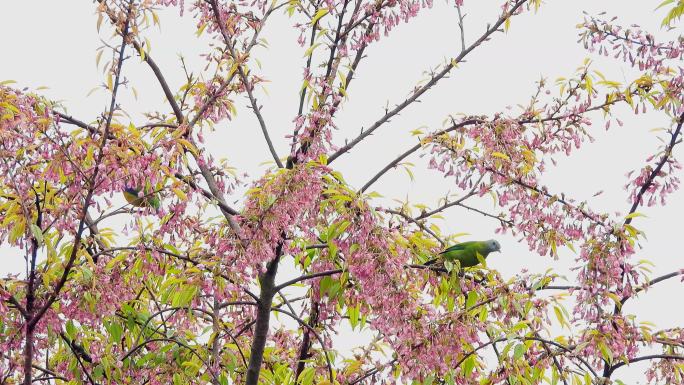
466 253
132 197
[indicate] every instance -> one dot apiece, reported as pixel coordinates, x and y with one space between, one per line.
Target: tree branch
651 283
656 171
245 81
225 208
644 358
420 91
162 82
411 150
318 337
308 276
417 223
81 226
267 285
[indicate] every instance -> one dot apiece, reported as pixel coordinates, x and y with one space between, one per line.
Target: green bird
134 197
466 253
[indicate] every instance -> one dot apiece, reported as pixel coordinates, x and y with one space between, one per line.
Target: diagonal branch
93 182
315 333
14 302
651 283
162 82
413 149
245 81
436 78
225 208
417 223
457 202
645 358
656 171
307 277
231 75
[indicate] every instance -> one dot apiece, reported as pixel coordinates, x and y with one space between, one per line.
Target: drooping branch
225 208
553 197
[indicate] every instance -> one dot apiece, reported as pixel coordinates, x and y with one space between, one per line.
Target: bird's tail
430 262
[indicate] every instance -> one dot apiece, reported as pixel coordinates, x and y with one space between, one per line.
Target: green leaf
634 215
307 376
472 299
481 259
325 285
310 50
559 316
37 234
664 3
87 273
605 352
353 313
183 297
519 351
320 13
468 365
70 329
115 332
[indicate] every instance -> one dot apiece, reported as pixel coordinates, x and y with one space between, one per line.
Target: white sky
52 43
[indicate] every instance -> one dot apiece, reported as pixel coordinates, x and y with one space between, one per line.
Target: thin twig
245 81
433 80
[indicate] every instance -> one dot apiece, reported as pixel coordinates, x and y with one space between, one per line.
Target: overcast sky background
53 43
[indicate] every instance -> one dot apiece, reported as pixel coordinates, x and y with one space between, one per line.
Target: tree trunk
267 281
28 356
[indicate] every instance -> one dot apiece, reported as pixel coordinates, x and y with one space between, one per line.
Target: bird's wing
154 202
131 197
460 246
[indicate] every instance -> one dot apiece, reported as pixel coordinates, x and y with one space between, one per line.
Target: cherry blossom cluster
661 86
509 152
277 203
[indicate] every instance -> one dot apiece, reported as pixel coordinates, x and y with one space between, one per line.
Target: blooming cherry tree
191 292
